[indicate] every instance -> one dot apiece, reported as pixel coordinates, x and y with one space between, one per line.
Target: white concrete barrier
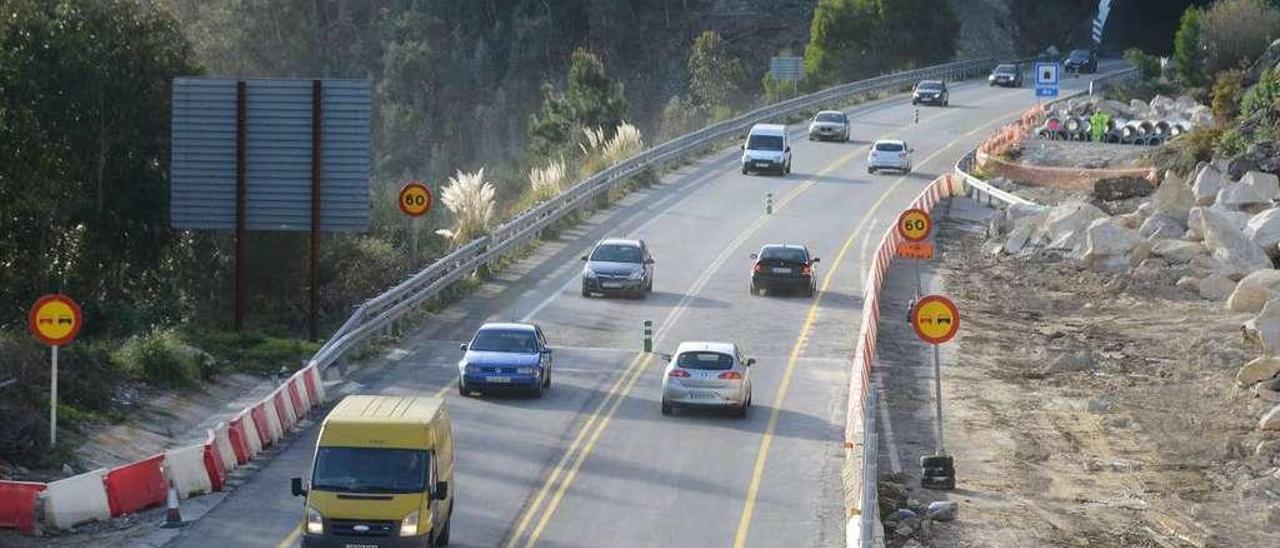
298 381
222 439
185 468
275 429
76 500
290 417
317 382
252 439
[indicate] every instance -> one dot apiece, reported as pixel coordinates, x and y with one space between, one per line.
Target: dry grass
471 200
547 181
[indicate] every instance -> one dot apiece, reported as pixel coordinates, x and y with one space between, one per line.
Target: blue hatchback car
505 355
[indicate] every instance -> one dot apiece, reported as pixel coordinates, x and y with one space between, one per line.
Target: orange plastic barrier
136 486
18 505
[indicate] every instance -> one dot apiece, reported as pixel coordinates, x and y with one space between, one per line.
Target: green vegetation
1187 56
591 99
852 39
1148 65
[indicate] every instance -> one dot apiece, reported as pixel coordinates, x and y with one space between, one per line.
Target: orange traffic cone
172 514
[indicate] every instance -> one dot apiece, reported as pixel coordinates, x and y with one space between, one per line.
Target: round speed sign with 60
914 225
415 199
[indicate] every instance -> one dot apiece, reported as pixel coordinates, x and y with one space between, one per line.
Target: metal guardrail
978 189
380 311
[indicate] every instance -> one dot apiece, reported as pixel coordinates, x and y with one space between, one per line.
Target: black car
1008 75
1081 61
931 92
780 267
618 266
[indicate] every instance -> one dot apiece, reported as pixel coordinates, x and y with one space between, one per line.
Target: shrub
625 143
252 352
471 200
161 358
547 181
680 116
1188 58
1262 96
1231 143
1148 65
1235 32
1228 89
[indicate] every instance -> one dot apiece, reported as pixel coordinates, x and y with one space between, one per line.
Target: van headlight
315 522
639 274
409 525
588 273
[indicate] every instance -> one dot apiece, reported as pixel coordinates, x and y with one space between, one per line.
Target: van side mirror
462 347
751 362
650 261
441 491
546 351
815 259
295 486
742 147
583 258
788 148
754 256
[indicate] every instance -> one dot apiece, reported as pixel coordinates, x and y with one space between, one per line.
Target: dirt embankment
1086 409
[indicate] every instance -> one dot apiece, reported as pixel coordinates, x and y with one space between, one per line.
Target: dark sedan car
619 267
931 92
1081 61
1008 75
780 267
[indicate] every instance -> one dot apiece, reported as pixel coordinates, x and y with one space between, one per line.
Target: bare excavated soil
1083 409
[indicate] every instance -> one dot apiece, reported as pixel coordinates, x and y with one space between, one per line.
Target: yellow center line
766 441
292 538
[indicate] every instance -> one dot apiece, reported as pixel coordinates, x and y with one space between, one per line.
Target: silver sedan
707 374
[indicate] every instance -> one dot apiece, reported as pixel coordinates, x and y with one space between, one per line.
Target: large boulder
1161 226
1020 235
1107 241
1209 181
1263 230
1265 184
1258 370
1177 251
1227 243
1263 331
1065 225
1216 287
1241 197
1255 290
1174 198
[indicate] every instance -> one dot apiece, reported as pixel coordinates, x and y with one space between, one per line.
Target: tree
591 99
1233 33
1188 59
851 39
841 40
715 76
84 155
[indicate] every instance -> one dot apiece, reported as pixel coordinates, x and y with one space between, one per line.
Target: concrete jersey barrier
78 499
186 470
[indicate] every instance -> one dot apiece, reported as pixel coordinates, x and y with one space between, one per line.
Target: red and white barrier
275 428
186 470
136 486
220 436
865 351
300 404
252 438
214 463
18 505
77 499
315 385
284 409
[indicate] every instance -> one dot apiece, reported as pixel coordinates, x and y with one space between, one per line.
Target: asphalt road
594 463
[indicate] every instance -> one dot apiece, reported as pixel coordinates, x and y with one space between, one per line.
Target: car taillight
678 373
759 268
806 270
731 375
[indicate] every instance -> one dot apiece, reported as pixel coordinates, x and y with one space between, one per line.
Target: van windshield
370 470
764 142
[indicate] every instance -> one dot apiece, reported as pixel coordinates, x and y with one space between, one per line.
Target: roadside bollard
768 203
648 336
917 116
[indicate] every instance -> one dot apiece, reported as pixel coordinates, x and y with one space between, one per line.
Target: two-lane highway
594 463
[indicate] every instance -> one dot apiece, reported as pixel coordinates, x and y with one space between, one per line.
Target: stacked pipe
1136 123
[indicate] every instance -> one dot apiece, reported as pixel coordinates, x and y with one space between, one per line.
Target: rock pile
1217 235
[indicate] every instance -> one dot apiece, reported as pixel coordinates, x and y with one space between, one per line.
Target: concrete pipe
1147 127
1113 138
1073 125
1163 128
1044 133
1053 123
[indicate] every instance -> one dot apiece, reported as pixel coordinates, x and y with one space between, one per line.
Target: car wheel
808 292
871 170
462 388
811 137
443 538
666 408
755 290
914 102
648 286
546 379
741 411
585 292
744 170
539 390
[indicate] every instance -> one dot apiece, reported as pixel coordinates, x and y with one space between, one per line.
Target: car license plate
702 394
610 285
781 270
497 379
762 164
362 546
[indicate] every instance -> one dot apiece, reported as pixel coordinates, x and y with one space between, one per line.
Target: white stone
1173 199
1208 182
1266 184
1264 329
1188 283
1216 287
1263 230
1255 290
1271 420
1161 226
1108 238
1258 370
1227 243
1177 251
1065 225
1239 196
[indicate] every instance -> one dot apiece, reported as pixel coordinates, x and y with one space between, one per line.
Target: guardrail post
648 336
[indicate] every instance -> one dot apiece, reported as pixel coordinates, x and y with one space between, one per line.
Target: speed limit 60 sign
914 225
415 199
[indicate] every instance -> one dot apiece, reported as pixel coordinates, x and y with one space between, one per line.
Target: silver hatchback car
707 374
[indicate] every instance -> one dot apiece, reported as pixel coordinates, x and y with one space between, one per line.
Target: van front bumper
341 541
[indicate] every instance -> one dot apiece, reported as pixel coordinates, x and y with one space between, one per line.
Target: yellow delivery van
381 475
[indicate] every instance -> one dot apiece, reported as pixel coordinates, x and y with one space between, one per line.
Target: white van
767 149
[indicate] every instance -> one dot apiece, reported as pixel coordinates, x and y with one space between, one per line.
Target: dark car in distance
1081 61
1007 75
931 92
617 266
781 267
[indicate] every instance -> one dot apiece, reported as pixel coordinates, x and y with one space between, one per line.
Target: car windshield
704 360
503 340
1080 54
617 254
929 86
830 117
788 254
890 147
1006 69
370 470
764 142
